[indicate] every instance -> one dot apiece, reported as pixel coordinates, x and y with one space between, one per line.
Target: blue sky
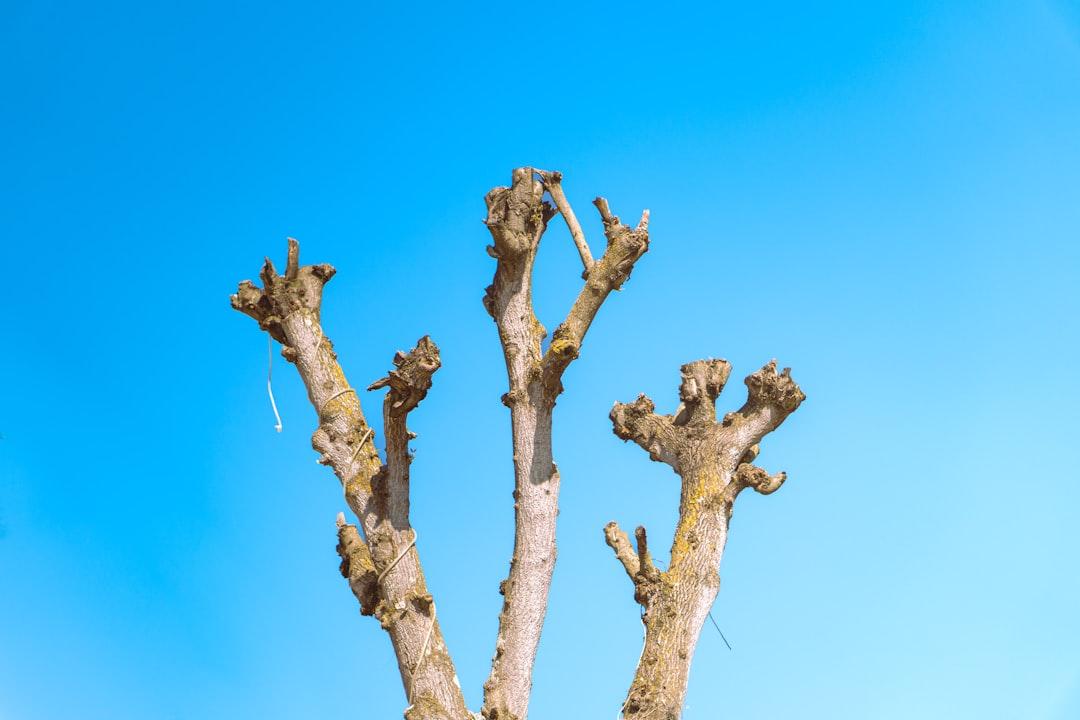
882 197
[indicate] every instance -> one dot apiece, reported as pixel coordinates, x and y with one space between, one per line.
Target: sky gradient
883 198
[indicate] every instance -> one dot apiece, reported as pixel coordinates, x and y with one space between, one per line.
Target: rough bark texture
517 218
383 565
379 556
714 461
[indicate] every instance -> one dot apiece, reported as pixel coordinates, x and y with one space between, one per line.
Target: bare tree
714 461
379 556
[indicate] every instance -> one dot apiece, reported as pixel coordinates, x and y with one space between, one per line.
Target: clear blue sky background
884 198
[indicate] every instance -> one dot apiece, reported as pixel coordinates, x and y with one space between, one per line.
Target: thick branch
702 383
281 297
288 307
713 460
409 382
517 217
625 246
771 397
357 566
656 434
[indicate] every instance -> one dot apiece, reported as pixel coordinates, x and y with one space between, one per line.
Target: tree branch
357 566
645 561
702 382
408 383
656 434
747 475
517 217
553 183
771 397
618 541
713 460
624 247
639 565
288 307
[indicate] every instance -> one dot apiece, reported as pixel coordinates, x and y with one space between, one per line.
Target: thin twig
553 183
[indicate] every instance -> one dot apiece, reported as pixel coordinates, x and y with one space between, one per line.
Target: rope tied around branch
431 624
388 568
423 652
334 397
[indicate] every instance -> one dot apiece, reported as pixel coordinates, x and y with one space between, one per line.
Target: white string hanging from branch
269 379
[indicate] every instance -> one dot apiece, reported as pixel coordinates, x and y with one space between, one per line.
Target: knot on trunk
300 288
767 387
357 566
410 379
747 475
517 216
627 419
625 245
702 382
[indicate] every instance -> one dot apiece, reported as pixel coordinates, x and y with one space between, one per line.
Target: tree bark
713 460
517 218
379 555
383 566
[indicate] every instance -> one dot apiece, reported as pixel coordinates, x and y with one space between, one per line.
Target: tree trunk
379 554
713 460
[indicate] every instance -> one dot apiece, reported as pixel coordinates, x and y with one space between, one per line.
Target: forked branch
517 218
382 566
625 246
638 563
713 460
379 554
